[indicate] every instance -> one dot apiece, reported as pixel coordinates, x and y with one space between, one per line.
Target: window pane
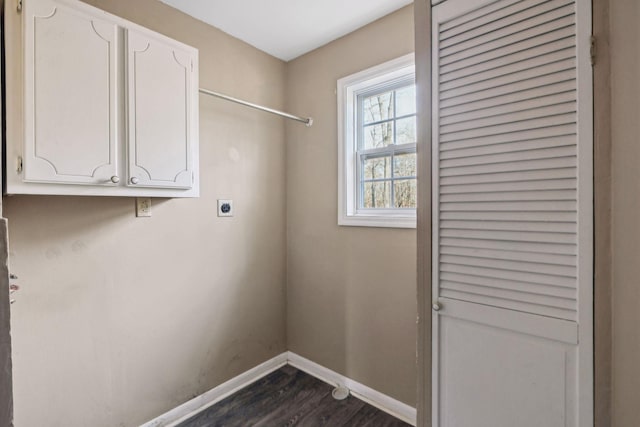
376 136
377 194
377 168
405 193
406 131
378 107
406 101
404 165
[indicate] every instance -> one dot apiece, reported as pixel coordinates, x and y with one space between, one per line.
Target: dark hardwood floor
290 397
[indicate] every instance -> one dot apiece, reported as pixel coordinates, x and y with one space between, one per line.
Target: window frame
389 75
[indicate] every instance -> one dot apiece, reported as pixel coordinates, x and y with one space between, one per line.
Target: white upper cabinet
159 107
106 108
70 96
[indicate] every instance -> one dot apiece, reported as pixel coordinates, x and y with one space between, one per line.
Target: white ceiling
287 29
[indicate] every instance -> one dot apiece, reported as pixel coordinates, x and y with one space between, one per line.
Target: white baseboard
216 394
381 401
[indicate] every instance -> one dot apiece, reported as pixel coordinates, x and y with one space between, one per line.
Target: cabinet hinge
19 5
592 50
19 165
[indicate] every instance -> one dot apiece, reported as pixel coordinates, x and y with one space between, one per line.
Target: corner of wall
603 194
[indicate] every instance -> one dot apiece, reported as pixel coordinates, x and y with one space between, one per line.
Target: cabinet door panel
161 92
70 95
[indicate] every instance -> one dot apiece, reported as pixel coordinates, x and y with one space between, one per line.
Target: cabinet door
70 95
162 89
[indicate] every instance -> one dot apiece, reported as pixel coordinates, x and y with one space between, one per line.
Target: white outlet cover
225 207
143 207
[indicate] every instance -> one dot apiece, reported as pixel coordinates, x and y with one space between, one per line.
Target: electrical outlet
225 207
143 207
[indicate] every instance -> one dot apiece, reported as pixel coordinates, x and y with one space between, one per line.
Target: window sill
385 221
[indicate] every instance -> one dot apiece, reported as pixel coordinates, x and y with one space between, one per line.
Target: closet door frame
422 17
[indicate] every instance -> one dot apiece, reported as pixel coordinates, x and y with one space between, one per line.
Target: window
377 146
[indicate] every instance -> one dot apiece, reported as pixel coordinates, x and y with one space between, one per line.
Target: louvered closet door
512 153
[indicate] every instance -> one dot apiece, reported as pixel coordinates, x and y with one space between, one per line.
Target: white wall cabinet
158 113
107 107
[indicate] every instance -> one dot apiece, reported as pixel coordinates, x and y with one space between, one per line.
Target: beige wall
351 302
120 319
625 85
6 398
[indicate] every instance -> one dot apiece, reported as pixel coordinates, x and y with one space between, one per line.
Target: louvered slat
532 278
525 165
510 236
546 75
513 147
510 294
509 216
506 69
479 189
502 102
482 16
511 44
507 157
457 71
498 57
503 196
506 32
523 107
511 117
511 137
524 75
510 17
522 176
530 267
516 246
510 156
568 314
553 291
509 34
541 258
548 227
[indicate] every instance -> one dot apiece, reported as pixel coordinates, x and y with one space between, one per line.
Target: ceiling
287 29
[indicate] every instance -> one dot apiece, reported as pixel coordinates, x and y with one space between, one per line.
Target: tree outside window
386 149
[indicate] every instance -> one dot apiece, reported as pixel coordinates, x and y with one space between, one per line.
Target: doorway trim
422 18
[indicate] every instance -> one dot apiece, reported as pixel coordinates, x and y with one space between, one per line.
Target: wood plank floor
290 397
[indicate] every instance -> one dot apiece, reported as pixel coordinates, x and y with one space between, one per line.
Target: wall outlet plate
143 207
225 207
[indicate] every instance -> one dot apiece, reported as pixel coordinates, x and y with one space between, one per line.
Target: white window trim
348 89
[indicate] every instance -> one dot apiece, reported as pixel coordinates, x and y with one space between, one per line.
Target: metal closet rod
306 120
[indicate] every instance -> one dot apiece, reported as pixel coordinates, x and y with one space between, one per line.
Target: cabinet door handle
134 180
115 179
